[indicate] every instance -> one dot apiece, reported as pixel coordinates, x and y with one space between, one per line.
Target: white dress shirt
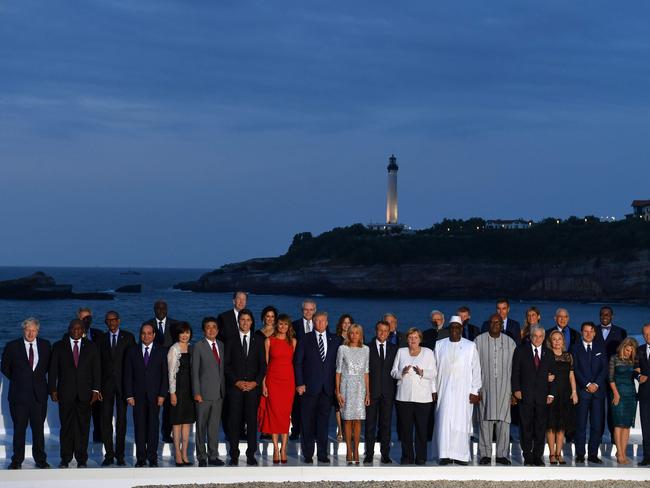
164 324
379 349
35 349
307 325
248 338
150 346
412 387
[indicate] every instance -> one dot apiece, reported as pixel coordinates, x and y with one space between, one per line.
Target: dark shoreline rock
129 289
40 286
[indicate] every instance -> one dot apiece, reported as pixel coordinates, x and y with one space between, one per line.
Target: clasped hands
246 385
419 371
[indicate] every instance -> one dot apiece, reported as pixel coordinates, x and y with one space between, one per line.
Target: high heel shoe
283 461
276 458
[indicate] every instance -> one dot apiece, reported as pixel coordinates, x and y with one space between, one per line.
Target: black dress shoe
367 460
580 459
107 462
140 464
539 462
444 461
179 465
233 462
251 461
215 462
14 465
386 460
503 461
43 465
460 463
153 464
324 460
485 461
308 460
188 463
82 465
63 465
595 460
420 462
529 462
120 462
203 463
644 462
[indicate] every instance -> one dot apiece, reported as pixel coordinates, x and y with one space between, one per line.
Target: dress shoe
580 459
153 464
203 463
188 463
386 460
233 462
528 462
214 462
179 465
14 465
444 461
460 463
82 465
63 465
539 462
485 461
120 462
367 460
324 460
308 460
420 462
107 461
140 464
43 465
644 462
595 460
251 461
503 461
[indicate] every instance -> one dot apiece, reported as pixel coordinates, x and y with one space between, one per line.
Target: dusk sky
195 133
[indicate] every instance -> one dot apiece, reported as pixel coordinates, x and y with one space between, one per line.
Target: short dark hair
267 309
180 328
148 324
381 322
587 324
112 312
463 309
607 307
503 300
207 320
74 322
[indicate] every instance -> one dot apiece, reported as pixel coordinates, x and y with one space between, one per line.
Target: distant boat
130 273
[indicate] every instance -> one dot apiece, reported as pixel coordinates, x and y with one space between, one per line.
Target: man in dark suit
304 325
643 356
470 331
315 370
394 336
532 364
436 332
25 363
94 335
511 327
229 320
166 335
146 384
245 370
571 336
611 336
590 369
382 393
74 382
112 349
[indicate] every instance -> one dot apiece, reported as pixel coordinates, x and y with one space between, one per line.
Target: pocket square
598 354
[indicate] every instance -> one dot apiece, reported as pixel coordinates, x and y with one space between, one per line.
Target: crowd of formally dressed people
283 380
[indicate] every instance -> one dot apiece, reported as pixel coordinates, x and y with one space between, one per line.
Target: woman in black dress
181 414
561 413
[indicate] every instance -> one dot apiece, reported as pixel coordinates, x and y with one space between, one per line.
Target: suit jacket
170 332
74 383
381 381
251 367
316 375
25 384
228 326
614 339
208 376
594 370
574 336
299 328
470 331
146 383
95 335
644 365
431 335
112 359
532 382
513 329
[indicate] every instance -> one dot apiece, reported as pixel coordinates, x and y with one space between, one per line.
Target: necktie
146 356
536 359
647 352
308 326
75 353
114 340
245 346
321 347
382 357
31 356
160 327
215 353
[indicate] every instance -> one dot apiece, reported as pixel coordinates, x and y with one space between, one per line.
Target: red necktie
31 356
536 359
215 353
75 353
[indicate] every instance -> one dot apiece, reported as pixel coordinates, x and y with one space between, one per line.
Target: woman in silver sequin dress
352 389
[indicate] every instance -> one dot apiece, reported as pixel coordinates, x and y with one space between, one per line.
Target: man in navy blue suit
590 368
315 369
146 385
511 327
643 356
25 363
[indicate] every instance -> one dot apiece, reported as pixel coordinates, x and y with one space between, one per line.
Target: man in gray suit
208 386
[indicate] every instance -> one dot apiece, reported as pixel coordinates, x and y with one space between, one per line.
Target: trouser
314 418
589 408
75 428
113 401
96 413
532 425
295 415
413 414
378 413
487 427
208 418
165 424
243 407
33 414
146 423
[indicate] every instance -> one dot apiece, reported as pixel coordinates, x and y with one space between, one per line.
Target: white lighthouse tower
391 193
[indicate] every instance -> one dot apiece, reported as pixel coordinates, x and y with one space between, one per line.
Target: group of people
285 378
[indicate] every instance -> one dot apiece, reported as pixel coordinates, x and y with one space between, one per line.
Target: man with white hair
25 363
437 331
457 384
571 336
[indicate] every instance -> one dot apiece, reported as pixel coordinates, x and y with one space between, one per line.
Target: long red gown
275 410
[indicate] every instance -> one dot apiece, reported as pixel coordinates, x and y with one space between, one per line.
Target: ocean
134 309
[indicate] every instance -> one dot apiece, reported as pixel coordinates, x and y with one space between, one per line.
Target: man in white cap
458 385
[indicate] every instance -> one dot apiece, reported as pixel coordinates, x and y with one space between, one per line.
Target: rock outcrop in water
40 286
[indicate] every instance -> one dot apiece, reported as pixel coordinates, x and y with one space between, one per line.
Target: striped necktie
321 347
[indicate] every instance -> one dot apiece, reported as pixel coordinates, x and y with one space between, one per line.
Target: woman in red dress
278 387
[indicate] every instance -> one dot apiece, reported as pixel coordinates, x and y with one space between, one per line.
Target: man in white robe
458 385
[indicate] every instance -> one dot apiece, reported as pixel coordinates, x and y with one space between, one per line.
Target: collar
585 344
27 343
72 342
117 333
606 327
150 346
163 320
380 343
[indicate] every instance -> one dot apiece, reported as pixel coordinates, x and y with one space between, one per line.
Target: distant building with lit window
641 209
508 224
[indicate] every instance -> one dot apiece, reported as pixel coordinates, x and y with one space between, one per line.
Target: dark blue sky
176 133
